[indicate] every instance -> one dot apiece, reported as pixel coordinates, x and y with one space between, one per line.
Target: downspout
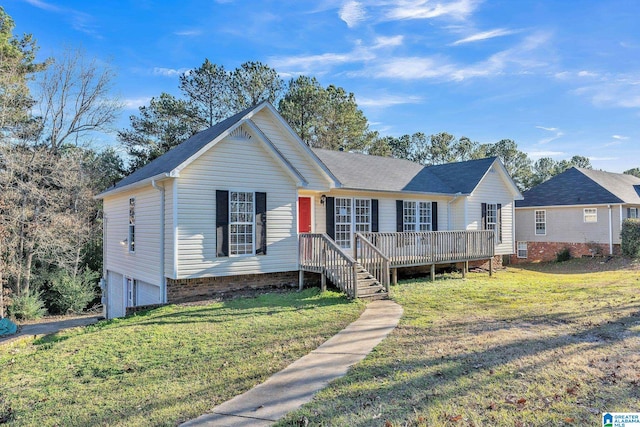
104 282
163 285
621 218
449 213
610 230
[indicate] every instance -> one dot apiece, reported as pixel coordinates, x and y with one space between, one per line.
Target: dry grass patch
523 348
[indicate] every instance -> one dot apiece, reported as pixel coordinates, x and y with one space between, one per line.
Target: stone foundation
548 251
185 290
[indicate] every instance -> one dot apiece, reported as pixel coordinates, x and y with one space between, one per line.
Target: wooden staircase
368 286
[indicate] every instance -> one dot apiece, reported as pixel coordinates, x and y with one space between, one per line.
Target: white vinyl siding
541 222
291 150
566 225
522 250
590 215
218 169
494 188
144 263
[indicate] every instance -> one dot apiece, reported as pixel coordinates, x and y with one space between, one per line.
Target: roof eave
134 185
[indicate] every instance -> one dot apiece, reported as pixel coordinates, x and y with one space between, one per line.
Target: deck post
300 279
394 276
491 266
433 272
465 269
323 265
323 282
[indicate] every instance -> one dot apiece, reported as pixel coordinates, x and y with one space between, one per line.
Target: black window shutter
484 216
499 222
628 212
261 223
222 223
330 204
374 215
399 216
434 216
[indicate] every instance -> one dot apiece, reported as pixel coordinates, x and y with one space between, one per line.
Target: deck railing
320 254
433 247
373 260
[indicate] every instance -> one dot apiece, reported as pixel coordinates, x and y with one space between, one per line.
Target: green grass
556 346
165 365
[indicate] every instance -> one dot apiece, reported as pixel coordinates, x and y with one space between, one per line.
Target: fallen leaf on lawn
456 418
569 420
492 406
388 424
521 401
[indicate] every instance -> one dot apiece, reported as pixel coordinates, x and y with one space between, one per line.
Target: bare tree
75 100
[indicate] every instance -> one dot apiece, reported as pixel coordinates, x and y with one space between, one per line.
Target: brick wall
185 290
547 251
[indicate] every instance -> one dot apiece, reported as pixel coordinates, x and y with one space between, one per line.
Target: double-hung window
522 250
492 216
131 238
633 213
241 223
417 216
590 215
541 223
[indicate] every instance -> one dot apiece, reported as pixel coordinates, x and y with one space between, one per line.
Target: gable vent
240 133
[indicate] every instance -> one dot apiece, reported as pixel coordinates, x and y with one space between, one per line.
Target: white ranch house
246 203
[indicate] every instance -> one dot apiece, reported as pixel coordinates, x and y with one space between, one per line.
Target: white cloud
558 133
612 143
352 13
484 36
540 154
388 101
188 33
134 103
392 41
619 137
169 72
548 129
585 73
601 159
80 21
424 9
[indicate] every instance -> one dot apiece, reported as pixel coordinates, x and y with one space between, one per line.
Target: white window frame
343 221
522 253
362 215
542 219
590 215
492 213
417 215
131 234
242 215
130 291
633 213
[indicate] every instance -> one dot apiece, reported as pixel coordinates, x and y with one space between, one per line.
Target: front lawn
555 345
166 365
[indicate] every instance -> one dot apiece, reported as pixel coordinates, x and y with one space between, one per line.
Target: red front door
304 214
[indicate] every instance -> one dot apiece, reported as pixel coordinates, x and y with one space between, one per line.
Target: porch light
124 242
323 199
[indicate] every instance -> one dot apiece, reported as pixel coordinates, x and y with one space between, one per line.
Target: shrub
70 294
630 238
28 306
563 255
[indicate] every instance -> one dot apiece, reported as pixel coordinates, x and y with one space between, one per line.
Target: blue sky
558 77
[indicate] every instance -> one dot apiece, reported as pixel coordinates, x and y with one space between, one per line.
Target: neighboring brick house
579 209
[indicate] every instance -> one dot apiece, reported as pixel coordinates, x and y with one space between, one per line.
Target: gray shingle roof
577 186
365 172
353 170
179 154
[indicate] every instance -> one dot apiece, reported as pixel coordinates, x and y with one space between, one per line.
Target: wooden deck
376 255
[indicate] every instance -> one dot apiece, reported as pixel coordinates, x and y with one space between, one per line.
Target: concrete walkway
46 328
296 385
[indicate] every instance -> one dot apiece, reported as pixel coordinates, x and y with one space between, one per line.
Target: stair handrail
378 265
333 262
